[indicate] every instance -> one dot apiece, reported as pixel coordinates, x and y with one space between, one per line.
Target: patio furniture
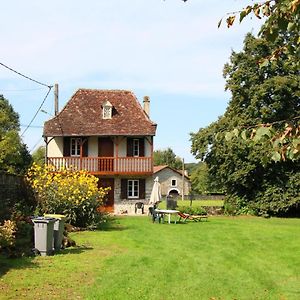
154 215
194 218
168 212
139 205
182 216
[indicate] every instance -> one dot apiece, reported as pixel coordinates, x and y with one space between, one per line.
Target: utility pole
182 179
55 99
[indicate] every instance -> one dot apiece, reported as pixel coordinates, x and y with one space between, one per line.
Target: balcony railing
104 165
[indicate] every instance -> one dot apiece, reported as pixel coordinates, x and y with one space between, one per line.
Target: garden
133 258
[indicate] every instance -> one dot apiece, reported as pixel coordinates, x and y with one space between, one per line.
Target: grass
224 258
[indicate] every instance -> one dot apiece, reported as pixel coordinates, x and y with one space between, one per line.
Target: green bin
43 234
59 227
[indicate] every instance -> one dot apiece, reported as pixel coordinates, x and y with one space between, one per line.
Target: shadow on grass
7 264
75 250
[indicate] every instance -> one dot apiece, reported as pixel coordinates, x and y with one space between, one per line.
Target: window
133 189
173 182
75 147
136 147
107 110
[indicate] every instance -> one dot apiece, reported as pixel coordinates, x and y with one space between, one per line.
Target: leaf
264 63
228 136
230 21
220 22
276 156
243 14
236 132
257 12
244 135
261 132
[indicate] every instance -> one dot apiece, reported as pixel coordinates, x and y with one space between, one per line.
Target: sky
171 51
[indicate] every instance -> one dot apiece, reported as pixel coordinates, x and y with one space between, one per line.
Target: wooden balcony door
109 198
105 151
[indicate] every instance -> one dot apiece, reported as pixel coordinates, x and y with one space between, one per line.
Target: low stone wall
128 207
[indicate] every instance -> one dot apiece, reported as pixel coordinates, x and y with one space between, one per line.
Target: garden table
168 212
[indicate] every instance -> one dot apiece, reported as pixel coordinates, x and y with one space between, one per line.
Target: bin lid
56 216
43 219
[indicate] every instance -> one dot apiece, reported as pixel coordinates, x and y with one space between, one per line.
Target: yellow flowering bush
72 193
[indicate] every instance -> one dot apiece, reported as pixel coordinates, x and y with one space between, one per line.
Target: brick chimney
147 105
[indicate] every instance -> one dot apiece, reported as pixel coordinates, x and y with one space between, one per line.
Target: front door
106 154
109 198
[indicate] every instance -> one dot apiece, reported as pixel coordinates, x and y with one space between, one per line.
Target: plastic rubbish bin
43 234
59 227
171 203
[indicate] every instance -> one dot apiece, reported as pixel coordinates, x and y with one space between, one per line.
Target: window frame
133 189
135 147
77 143
173 185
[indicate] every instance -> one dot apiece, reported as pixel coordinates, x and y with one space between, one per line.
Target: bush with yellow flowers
72 193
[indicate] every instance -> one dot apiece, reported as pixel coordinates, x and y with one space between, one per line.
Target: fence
12 190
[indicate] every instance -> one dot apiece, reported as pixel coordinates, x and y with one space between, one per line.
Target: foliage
260 95
202 182
282 19
7 232
38 156
14 157
72 193
192 210
167 157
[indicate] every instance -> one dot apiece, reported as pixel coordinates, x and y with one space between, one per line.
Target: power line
23 90
32 126
35 145
37 111
29 78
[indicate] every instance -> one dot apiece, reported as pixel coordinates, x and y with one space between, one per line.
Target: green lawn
224 258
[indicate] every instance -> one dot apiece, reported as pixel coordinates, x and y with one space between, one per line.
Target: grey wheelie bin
59 227
43 234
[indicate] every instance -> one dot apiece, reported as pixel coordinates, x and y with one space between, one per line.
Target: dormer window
107 110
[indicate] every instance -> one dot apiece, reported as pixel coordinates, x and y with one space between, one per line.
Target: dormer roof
83 116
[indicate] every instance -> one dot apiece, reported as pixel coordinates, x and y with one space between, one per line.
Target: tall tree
14 156
259 95
38 156
167 157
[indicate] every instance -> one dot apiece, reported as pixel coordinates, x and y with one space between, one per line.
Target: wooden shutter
123 188
85 147
67 146
129 147
142 188
142 147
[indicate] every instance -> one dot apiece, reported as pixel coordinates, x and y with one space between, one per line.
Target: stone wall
122 206
166 176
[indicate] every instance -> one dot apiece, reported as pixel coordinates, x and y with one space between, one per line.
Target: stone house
172 181
109 134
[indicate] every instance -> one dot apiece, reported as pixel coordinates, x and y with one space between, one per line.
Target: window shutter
67 145
142 187
123 188
85 147
129 147
142 147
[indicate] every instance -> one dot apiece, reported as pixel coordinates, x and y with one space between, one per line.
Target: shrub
72 193
7 234
197 210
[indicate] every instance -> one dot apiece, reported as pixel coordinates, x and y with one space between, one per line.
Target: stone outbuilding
172 181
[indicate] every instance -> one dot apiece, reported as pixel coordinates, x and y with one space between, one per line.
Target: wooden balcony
105 165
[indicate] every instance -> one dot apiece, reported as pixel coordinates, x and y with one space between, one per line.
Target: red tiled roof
82 115
157 169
